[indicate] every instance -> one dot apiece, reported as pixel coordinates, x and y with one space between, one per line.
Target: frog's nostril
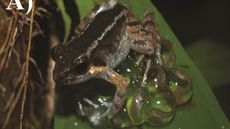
56 53
82 68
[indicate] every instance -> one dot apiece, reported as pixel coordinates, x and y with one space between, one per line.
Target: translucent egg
135 104
156 76
180 84
168 58
122 119
159 109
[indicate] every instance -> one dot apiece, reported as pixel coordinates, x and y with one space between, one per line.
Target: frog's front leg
117 80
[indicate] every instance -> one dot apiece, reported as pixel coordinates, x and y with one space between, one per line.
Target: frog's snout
71 76
56 53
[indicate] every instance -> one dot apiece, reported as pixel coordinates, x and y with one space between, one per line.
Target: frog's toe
98 117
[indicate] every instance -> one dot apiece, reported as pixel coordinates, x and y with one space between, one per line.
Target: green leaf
85 8
213 60
203 112
66 18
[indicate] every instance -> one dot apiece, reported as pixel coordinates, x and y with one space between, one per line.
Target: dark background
201 20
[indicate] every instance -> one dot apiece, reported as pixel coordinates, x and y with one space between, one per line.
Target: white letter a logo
16 3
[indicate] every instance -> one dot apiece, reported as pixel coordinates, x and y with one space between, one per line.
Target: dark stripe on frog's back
110 44
96 29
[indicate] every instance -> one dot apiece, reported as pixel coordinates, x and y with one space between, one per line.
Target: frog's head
70 66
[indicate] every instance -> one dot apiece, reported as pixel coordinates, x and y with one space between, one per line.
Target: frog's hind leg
149 23
150 26
146 39
140 40
117 80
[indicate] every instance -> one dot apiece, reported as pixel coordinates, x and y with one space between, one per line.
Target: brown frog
103 41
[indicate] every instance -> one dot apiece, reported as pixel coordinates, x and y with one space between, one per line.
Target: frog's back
102 33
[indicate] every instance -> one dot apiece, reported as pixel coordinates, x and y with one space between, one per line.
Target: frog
102 42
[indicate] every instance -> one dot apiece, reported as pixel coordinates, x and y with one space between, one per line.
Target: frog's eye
81 65
82 68
56 53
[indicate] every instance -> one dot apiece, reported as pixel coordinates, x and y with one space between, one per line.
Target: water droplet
60 57
158 102
139 77
176 83
75 124
128 70
136 100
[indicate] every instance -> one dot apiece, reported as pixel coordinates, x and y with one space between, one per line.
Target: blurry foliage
213 60
203 112
66 18
23 84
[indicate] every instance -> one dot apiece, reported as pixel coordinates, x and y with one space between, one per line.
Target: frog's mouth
75 78
72 76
